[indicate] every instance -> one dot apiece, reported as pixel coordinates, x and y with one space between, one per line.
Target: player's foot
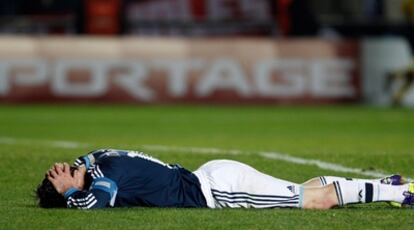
409 196
395 179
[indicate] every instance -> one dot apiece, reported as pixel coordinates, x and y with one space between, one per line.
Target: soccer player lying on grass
119 178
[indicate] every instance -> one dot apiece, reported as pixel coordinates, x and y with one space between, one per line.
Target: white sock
391 192
324 180
349 192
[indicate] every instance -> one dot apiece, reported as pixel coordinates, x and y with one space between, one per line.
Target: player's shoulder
108 163
105 153
113 156
108 158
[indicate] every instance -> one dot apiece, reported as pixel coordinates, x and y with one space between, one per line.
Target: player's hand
59 175
79 176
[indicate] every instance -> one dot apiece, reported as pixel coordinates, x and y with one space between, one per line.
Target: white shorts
227 183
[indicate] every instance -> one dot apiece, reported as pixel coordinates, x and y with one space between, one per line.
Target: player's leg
237 185
234 184
341 193
319 197
325 180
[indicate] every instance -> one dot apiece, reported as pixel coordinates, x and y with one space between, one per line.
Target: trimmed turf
363 137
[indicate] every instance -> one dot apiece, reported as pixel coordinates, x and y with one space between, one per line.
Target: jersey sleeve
89 159
101 194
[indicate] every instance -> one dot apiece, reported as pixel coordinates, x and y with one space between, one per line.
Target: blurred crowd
327 18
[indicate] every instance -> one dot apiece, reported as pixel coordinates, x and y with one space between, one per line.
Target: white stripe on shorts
241 199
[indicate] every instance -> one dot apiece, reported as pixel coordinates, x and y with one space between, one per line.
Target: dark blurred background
192 18
381 31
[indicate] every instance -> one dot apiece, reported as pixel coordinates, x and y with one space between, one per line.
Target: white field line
197 150
200 150
55 143
274 156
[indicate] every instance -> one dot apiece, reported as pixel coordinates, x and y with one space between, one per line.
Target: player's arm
101 194
89 159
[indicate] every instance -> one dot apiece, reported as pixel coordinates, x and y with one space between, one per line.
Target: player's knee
319 204
324 198
328 199
325 204
313 182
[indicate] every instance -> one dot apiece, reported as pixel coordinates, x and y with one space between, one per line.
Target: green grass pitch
354 136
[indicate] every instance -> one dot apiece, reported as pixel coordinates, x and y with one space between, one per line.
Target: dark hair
48 197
